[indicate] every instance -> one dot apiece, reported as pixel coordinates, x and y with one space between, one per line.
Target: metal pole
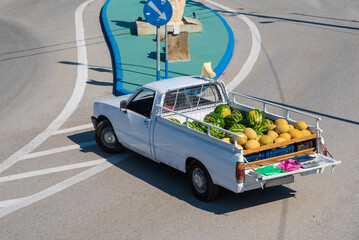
158 54
166 49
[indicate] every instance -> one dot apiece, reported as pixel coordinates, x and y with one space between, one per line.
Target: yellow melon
295 133
226 140
241 140
265 140
272 134
290 126
259 137
251 144
306 132
278 140
280 120
271 127
282 128
301 125
286 136
250 133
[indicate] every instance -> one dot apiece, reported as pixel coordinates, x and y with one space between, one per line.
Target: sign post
158 13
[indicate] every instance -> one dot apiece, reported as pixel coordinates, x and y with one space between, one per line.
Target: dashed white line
73 129
50 170
255 50
62 185
58 150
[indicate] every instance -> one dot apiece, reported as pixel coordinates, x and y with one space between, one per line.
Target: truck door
135 129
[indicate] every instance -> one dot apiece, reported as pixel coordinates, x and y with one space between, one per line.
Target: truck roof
175 83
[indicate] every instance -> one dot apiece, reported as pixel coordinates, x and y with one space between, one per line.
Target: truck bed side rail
209 126
288 110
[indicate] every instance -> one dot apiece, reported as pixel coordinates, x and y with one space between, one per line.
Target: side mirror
123 105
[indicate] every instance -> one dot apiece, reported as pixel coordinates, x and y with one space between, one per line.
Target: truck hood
113 101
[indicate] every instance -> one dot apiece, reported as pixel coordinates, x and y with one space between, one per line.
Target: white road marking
255 50
73 129
58 150
50 170
8 203
62 185
72 104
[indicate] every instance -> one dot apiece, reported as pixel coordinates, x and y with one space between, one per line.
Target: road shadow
273 19
174 183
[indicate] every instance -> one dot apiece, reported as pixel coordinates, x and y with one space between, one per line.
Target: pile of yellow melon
280 131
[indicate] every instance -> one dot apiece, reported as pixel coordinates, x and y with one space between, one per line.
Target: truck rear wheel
201 182
106 138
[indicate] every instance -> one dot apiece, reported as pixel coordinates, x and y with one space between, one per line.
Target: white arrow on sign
154 7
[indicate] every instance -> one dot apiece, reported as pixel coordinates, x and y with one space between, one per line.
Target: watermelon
268 122
230 120
239 114
175 120
222 110
202 126
194 125
255 118
214 132
262 129
236 128
214 119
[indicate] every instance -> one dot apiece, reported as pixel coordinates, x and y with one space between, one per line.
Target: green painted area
138 53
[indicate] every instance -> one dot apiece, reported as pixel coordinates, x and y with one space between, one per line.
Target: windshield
193 97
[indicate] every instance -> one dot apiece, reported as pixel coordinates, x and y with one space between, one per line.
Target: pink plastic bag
289 165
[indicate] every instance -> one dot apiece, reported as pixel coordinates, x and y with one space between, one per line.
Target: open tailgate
287 177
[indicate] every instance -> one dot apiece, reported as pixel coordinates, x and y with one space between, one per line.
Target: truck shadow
174 183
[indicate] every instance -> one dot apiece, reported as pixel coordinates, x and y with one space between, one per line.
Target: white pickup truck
143 122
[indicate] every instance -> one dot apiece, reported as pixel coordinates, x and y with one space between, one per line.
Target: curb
118 76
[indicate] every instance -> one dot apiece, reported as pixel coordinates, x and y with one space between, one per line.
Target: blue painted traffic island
135 56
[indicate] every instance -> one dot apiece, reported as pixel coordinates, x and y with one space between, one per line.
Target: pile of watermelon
253 126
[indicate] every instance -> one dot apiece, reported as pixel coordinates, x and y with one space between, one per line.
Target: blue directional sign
158 12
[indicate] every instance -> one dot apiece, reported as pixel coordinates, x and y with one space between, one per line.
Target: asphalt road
307 60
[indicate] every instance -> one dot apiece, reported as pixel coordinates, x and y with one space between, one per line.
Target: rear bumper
94 121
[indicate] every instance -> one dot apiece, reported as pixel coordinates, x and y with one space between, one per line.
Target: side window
142 103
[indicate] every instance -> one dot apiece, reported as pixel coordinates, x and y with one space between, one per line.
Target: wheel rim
199 180
109 138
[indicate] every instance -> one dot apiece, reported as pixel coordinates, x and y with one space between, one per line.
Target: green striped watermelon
262 129
255 117
175 120
214 119
222 110
230 120
194 125
239 114
214 132
268 122
236 128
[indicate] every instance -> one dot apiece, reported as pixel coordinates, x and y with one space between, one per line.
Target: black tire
201 182
106 138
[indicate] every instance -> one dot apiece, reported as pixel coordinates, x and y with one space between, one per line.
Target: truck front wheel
201 182
106 138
